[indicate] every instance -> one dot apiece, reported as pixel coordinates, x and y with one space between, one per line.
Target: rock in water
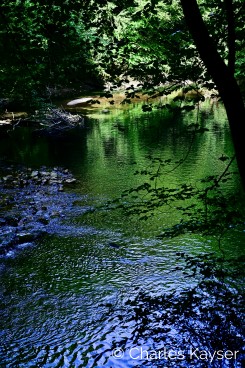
34 174
79 101
114 245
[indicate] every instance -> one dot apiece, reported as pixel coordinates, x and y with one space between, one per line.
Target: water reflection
73 298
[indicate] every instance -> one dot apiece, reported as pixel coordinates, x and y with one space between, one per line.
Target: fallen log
79 101
57 121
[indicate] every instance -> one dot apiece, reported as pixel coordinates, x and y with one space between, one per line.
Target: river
71 300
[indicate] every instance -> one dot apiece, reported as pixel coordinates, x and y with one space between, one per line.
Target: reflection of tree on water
206 316
202 322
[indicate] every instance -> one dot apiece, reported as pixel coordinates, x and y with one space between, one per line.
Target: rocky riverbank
33 203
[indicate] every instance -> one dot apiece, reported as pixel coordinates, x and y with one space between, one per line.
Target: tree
44 44
222 74
61 43
158 48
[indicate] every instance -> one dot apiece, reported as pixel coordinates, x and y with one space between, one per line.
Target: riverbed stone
44 220
2 221
8 178
28 210
55 214
70 181
12 220
25 237
34 174
25 245
53 175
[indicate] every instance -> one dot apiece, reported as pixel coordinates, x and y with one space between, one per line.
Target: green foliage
66 44
43 45
155 47
149 41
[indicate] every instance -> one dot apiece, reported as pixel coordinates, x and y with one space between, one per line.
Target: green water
63 300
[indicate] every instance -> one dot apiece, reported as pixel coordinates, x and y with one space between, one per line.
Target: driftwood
49 122
57 121
78 101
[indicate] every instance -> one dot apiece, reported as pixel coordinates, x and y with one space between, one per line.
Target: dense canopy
73 46
68 43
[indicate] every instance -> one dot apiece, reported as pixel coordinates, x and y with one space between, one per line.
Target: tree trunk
223 78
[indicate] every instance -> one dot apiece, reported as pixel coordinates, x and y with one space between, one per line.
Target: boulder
79 101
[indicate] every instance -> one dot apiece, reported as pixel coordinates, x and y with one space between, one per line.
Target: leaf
223 158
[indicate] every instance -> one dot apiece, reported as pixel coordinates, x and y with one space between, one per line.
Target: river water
69 301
